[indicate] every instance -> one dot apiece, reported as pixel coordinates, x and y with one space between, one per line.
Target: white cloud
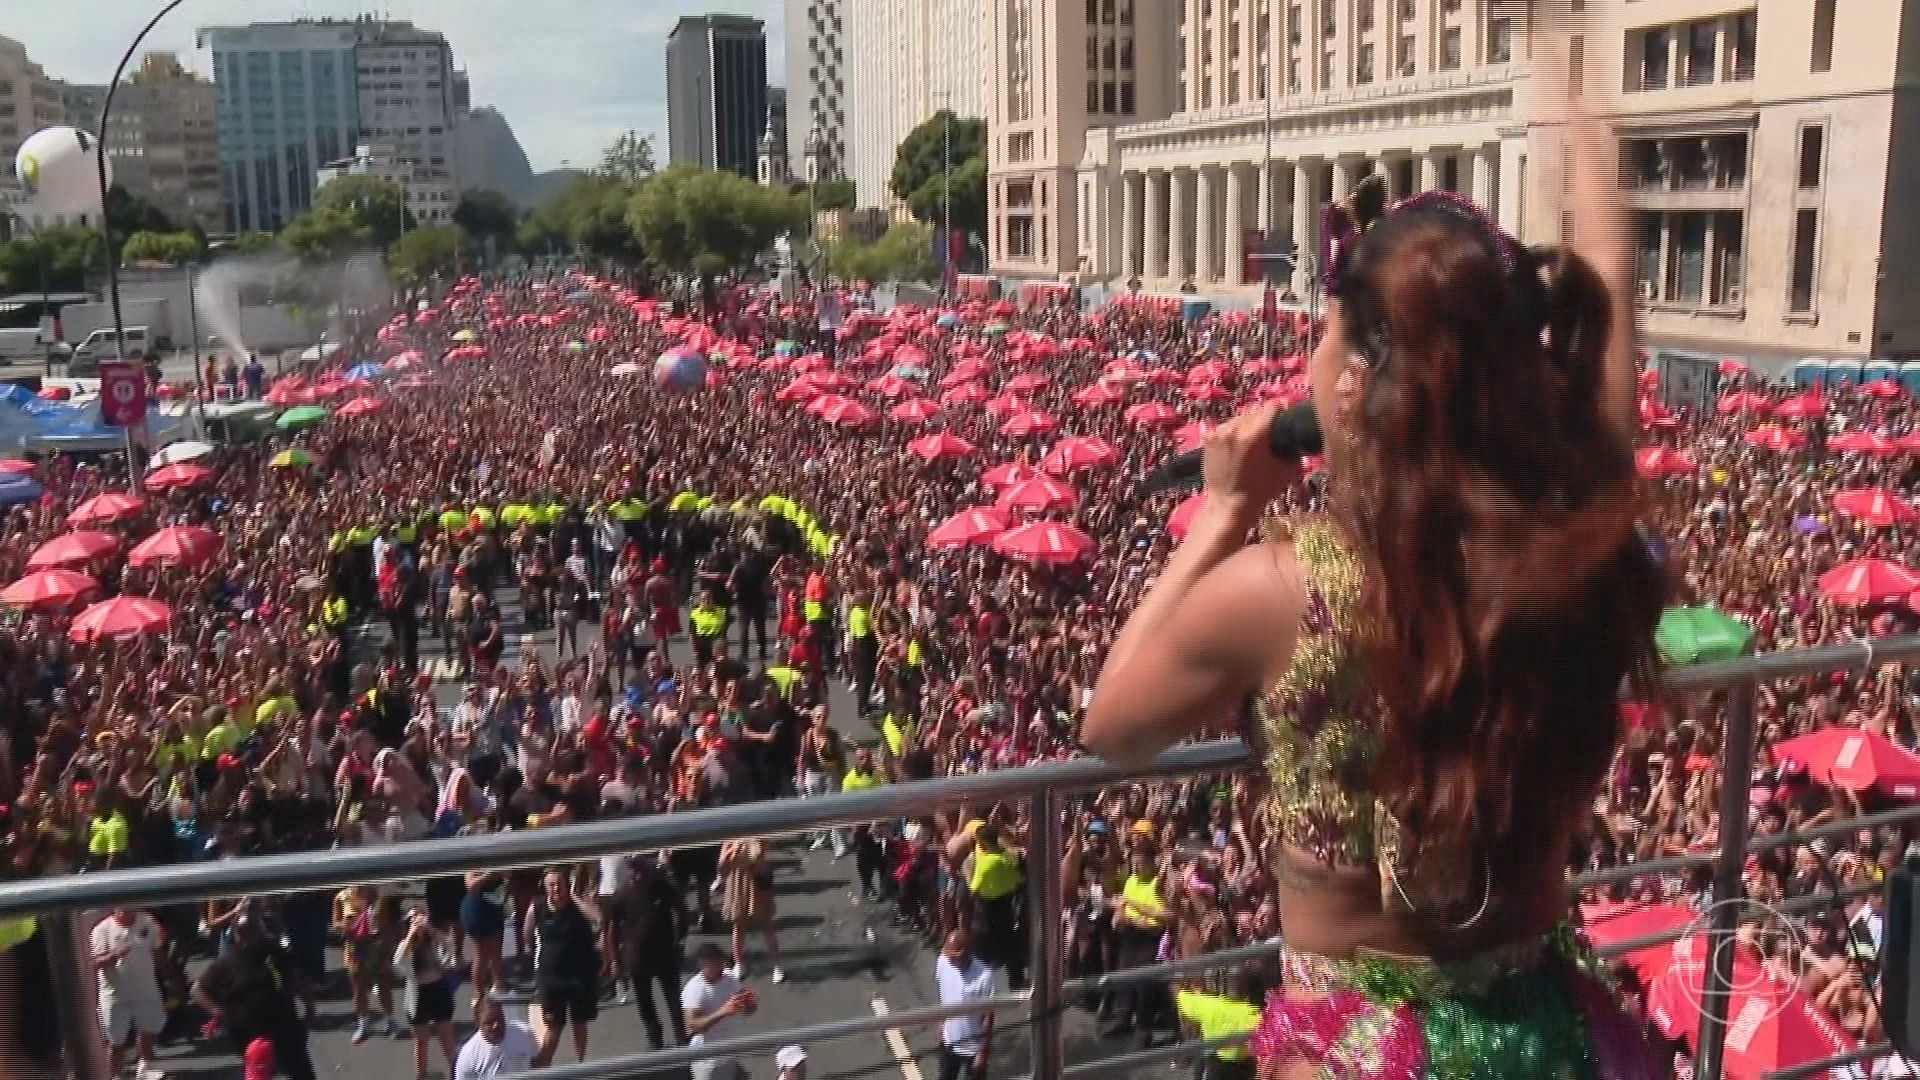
569 75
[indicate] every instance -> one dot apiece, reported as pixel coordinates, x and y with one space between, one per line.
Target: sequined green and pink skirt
1525 1013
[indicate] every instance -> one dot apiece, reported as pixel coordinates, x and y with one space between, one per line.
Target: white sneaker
779 976
148 1072
736 973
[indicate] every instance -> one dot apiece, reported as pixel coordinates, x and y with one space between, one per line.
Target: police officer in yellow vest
863 649
997 884
867 861
1221 1016
1139 920
709 621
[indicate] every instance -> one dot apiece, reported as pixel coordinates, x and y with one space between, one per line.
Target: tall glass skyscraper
286 105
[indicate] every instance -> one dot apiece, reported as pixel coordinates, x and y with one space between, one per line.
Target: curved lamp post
100 170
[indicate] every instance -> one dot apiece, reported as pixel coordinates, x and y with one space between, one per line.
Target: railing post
82 1045
1729 886
1048 969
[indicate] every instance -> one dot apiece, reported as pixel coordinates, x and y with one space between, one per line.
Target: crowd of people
754 546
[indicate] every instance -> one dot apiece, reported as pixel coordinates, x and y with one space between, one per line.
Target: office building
816 84
906 61
407 87
29 101
164 142
717 92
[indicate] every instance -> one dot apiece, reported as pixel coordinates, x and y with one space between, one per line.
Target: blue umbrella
368 371
948 319
1809 526
909 371
578 295
16 489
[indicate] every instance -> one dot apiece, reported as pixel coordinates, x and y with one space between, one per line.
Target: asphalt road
842 959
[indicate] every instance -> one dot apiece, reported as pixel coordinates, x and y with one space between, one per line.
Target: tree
486 214
58 258
921 168
903 253
706 222
379 205
588 216
175 248
327 234
423 253
628 159
835 194
128 213
250 243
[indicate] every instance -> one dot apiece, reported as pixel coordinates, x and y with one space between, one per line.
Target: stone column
1344 171
1236 224
1306 238
1429 171
1511 185
1266 175
1157 224
1193 54
1129 224
1206 248
1180 225
1484 176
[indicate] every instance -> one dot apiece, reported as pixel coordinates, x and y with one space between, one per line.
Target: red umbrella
182 475
1096 395
1008 475
965 371
120 617
106 508
1611 924
965 393
975 525
1207 391
177 545
891 386
1856 760
915 411
49 590
1883 389
1153 414
1802 407
74 549
845 412
1863 442
1182 517
821 405
941 445
1189 436
16 467
1080 452
1745 401
1868 581
360 407
1006 405
1875 506
1777 439
1655 415
1038 493
1028 383
1029 423
1211 371
1044 541
1731 368
1660 462
801 389
1770 1025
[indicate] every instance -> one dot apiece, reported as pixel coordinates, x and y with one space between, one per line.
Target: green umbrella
301 416
1690 635
576 346
998 328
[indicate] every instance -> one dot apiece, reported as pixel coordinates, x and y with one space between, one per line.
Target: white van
22 345
99 347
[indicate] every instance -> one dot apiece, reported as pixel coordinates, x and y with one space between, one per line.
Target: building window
1093 12
1363 15
1692 258
1702 41
1813 148
1743 34
1093 95
1822 59
1126 55
1576 64
1110 99
1405 61
1499 41
1450 49
1806 241
1293 25
1126 98
1293 76
1093 53
1363 65
1406 10
1107 57
1326 70
1126 12
1107 14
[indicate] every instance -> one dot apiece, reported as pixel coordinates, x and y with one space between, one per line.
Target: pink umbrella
1028 423
1008 475
1038 493
360 407
182 475
914 411
1079 452
49 590
106 508
941 445
1044 541
1153 414
120 617
176 545
975 525
74 549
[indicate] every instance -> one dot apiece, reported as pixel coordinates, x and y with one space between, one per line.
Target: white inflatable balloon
56 167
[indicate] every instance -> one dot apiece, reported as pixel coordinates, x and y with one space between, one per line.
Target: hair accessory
1343 224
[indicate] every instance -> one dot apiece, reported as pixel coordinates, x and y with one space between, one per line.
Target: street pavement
842 959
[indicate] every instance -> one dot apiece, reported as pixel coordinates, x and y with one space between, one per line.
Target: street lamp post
1266 171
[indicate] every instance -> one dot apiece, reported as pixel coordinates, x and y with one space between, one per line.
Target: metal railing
58 900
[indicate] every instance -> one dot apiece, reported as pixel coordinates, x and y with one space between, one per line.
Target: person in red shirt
602 758
660 599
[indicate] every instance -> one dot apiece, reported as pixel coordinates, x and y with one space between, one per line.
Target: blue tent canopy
368 371
16 489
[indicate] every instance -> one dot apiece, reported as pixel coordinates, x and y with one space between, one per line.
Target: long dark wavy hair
1494 504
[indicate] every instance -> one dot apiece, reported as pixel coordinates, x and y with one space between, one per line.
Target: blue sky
569 75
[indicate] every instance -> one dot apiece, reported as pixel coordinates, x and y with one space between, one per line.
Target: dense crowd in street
934 509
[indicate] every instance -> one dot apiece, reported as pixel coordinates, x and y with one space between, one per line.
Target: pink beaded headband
1343 224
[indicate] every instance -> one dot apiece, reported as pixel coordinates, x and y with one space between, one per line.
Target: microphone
1294 434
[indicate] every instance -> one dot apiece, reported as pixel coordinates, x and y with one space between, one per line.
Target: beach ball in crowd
56 168
680 369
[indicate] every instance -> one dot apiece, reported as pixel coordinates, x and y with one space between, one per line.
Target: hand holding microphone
1251 459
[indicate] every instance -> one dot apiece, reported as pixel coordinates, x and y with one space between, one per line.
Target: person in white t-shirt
712 998
124 946
964 1040
497 1048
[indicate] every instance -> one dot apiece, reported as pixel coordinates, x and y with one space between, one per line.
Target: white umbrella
175 453
625 367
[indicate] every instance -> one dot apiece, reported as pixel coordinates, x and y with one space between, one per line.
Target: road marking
896 1042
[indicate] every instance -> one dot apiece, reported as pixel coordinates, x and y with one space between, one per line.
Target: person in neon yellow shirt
1221 1016
862 775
